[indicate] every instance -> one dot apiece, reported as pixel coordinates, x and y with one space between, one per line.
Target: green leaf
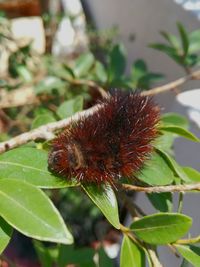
104 198
139 68
41 120
194 39
5 234
192 174
24 73
48 84
190 253
161 201
83 64
117 62
30 165
156 171
173 165
100 72
69 107
31 212
174 119
180 131
46 255
184 38
131 254
82 257
161 228
172 39
104 260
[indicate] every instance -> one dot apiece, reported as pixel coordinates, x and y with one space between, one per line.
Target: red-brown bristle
113 142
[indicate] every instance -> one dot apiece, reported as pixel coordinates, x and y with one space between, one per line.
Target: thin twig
161 189
172 85
193 240
44 132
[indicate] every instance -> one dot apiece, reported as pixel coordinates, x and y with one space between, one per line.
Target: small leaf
194 40
83 64
105 199
184 38
100 72
5 234
173 165
48 84
41 120
192 174
161 228
156 171
180 131
117 62
69 107
29 165
24 73
172 39
131 254
31 212
174 119
161 201
190 253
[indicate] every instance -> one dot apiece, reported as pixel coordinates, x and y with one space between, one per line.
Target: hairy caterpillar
111 143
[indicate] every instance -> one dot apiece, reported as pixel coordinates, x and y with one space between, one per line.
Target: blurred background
67 29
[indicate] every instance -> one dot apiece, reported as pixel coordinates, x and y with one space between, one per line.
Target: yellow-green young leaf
161 228
5 234
69 107
184 38
156 171
31 212
192 174
180 131
30 165
190 253
104 198
178 170
131 255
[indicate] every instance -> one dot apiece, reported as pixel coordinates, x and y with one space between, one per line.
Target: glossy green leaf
190 253
131 254
117 62
48 84
174 119
31 212
156 171
5 234
174 165
83 64
69 107
184 38
161 201
104 198
161 228
192 174
180 131
30 165
41 120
